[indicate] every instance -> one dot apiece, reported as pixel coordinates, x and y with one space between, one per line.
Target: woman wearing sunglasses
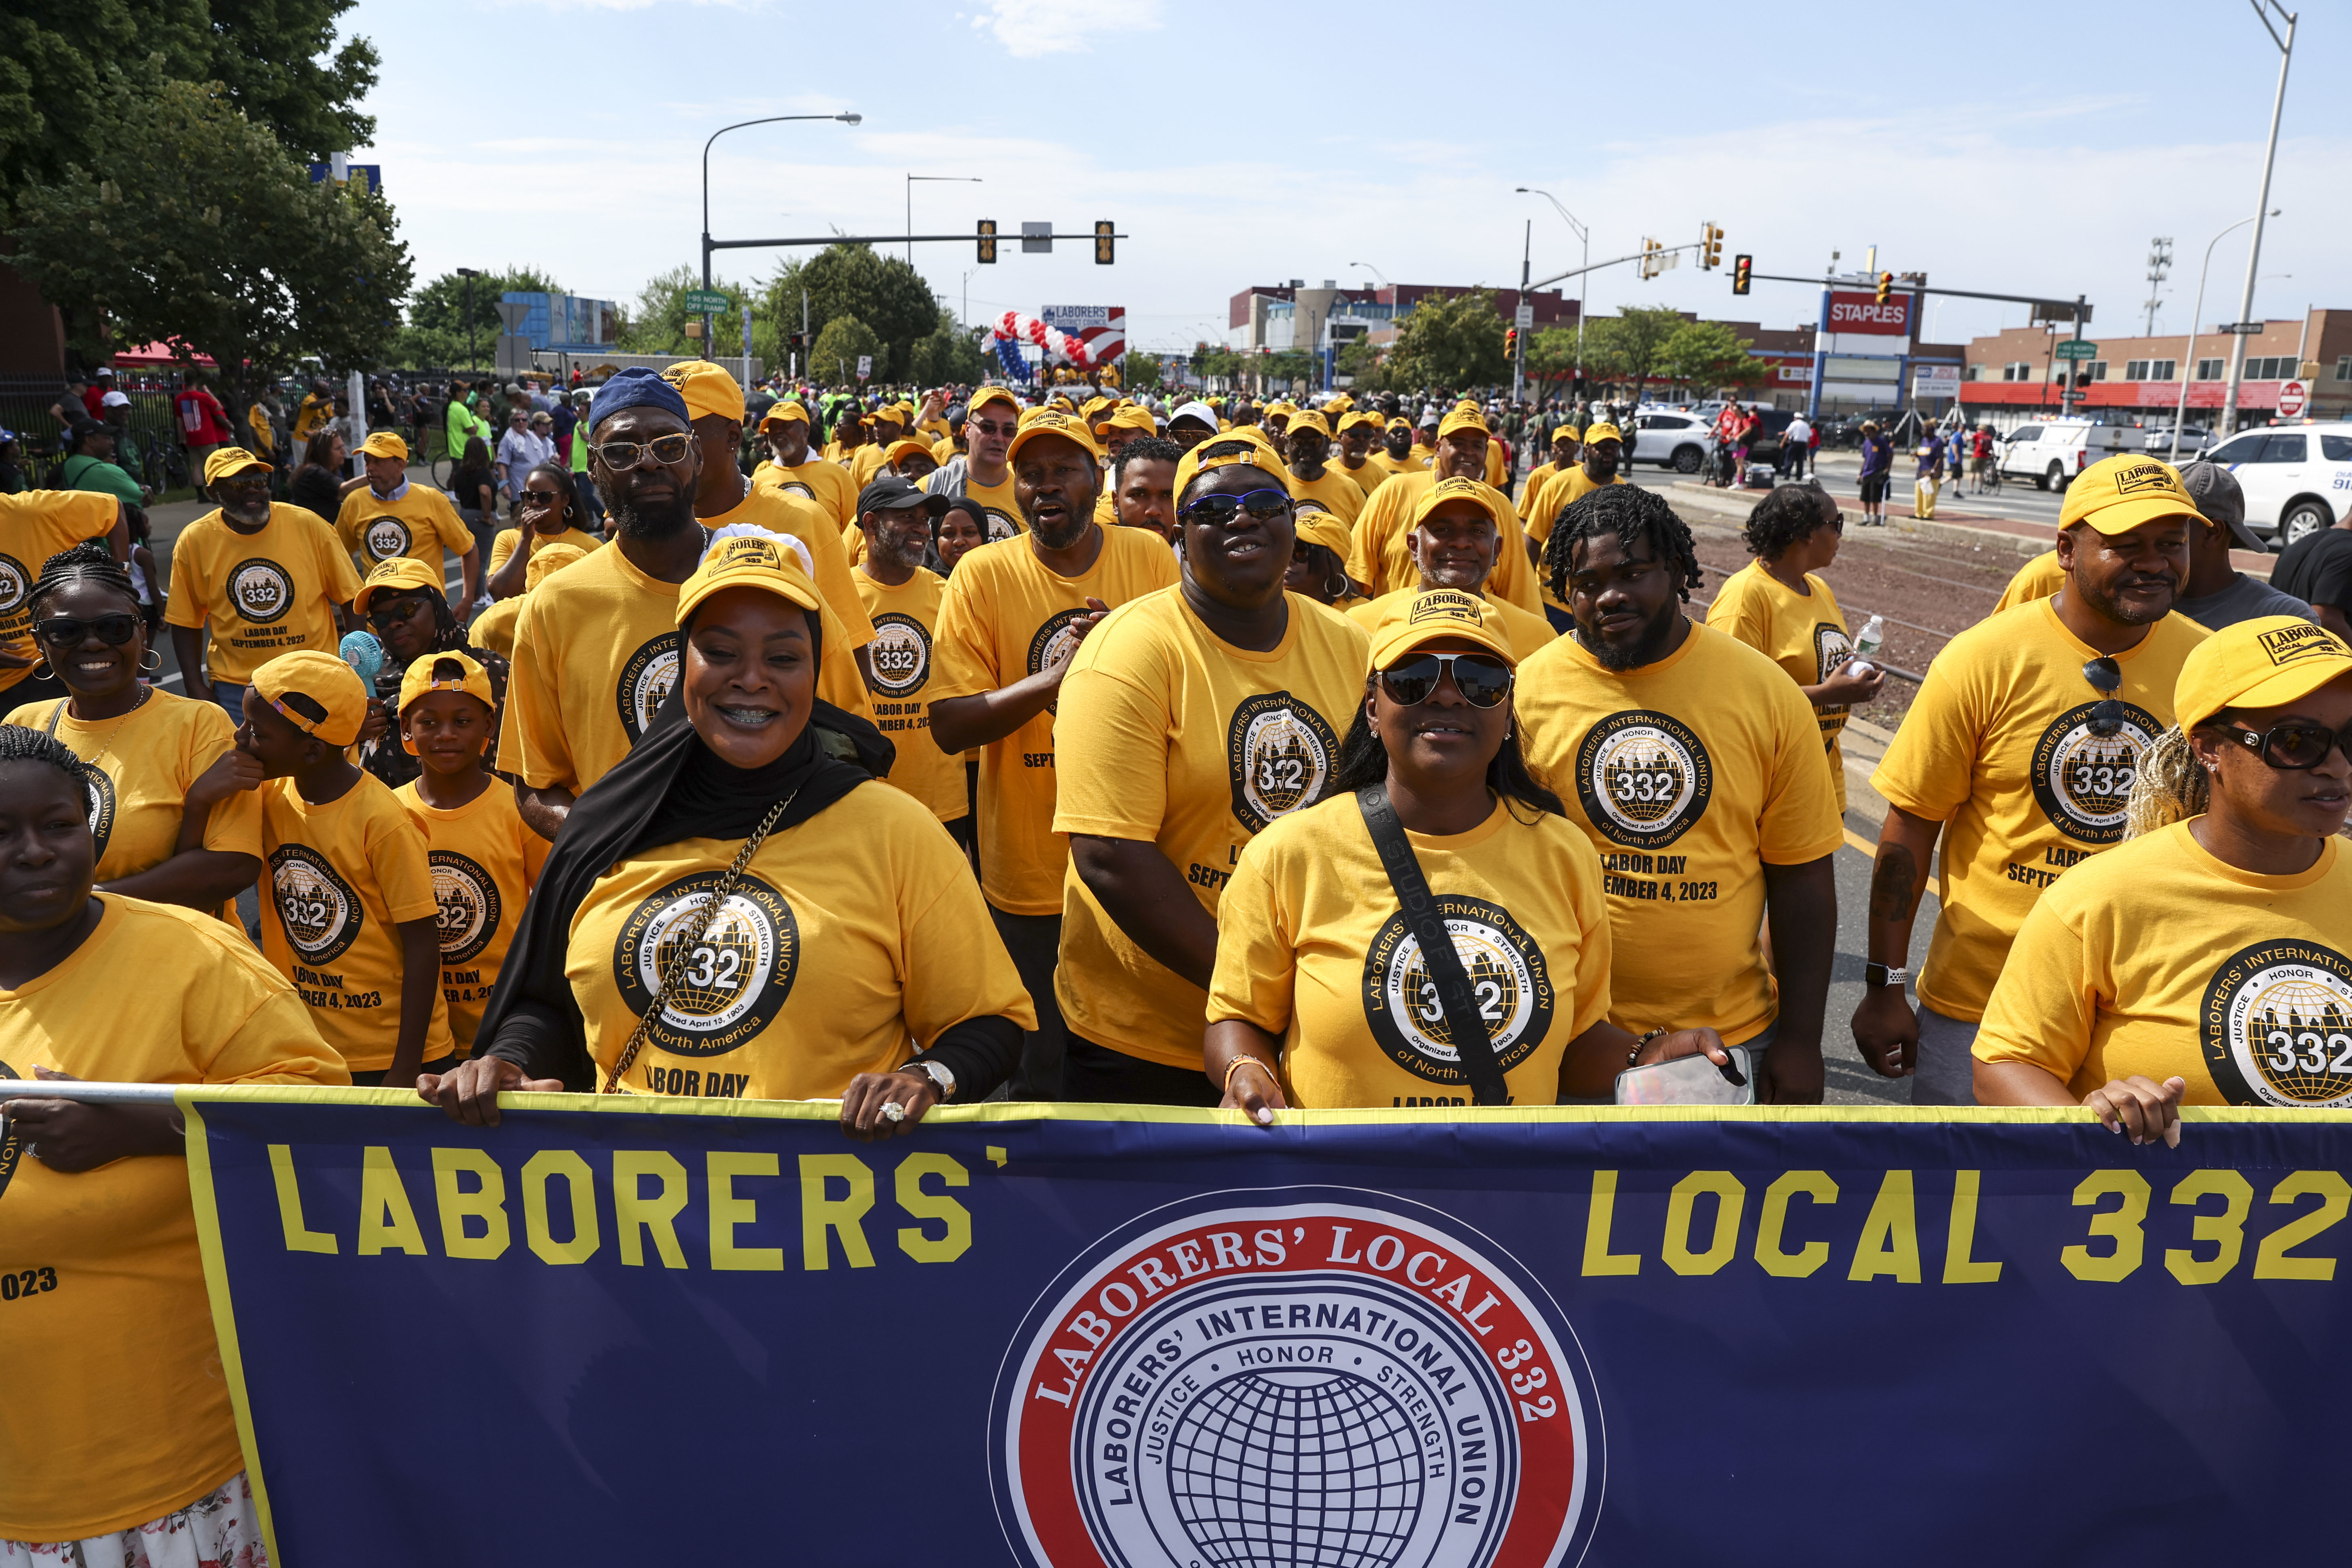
1321 997
548 511
172 807
1190 720
2207 960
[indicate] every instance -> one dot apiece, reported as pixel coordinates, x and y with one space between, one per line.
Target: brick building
2138 380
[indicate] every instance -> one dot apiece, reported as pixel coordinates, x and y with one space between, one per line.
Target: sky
1996 150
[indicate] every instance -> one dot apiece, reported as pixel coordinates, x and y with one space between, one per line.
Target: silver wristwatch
938 1075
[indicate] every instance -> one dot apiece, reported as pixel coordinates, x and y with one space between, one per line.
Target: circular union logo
1000 525
260 590
1280 753
646 679
1831 648
2278 1026
468 901
1507 980
320 913
797 488
900 654
102 810
2082 780
1057 638
1295 1376
1642 779
384 538
13 582
734 981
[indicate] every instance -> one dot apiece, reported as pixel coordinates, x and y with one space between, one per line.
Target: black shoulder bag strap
1442 964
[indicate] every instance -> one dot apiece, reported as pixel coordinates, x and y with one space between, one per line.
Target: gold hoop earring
151 661
40 670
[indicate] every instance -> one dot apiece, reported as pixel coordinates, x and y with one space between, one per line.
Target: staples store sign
1863 314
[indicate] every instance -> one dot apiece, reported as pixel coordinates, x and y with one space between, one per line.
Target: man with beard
1356 434
1115 429
1379 558
1454 540
792 468
596 644
1307 445
1695 766
1014 612
2026 738
1192 424
901 596
990 420
267 577
1143 485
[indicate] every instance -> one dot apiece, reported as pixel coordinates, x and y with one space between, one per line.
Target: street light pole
928 179
2263 8
845 119
469 273
1584 235
2196 314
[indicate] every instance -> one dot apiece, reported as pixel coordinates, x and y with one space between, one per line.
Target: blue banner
700 1330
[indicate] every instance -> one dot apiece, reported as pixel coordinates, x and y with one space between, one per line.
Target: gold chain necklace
144 693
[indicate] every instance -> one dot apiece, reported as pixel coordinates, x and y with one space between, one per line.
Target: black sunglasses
2292 747
2104 676
385 612
112 630
1220 510
1482 680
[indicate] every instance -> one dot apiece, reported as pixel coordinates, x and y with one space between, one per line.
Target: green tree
1365 364
883 292
1626 348
833 359
207 236
949 355
1140 372
1551 362
1708 357
440 333
657 324
1457 342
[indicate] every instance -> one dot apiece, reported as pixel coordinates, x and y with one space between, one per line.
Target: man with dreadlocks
1694 765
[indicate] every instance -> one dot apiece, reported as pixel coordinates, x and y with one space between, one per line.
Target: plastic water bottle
1869 640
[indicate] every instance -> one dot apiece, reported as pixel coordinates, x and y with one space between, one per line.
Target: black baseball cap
890 492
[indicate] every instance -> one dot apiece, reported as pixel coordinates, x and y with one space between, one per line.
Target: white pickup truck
2052 453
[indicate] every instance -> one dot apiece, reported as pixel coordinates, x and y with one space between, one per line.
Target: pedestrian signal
988 239
1105 243
1743 270
1885 286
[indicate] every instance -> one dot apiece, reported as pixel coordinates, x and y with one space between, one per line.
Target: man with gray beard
1014 612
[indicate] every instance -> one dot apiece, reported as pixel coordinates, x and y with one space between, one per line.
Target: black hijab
668 788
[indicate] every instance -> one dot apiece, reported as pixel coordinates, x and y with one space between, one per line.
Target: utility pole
469 273
2159 263
1519 342
2262 9
2073 392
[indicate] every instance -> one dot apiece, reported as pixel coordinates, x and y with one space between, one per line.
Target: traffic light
1650 268
1710 247
1510 342
1743 270
1885 286
988 240
1106 242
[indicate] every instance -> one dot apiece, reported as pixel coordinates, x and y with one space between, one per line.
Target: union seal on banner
1295 1376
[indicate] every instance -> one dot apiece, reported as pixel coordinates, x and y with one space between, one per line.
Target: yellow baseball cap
1307 419
790 408
1569 433
1465 417
1317 526
904 447
1601 430
548 559
1132 417
2116 495
227 460
708 388
1358 421
2264 663
402 574
1400 423
326 680
472 678
1046 422
1094 406
1338 402
1241 444
992 395
1454 489
384 443
748 560
1409 621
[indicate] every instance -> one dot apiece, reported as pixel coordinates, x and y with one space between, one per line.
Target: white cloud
1028 28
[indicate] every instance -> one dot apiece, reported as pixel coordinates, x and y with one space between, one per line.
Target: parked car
2193 440
1678 441
2051 454
2297 478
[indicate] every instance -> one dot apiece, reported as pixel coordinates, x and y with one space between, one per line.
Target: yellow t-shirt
1997 746
998 501
1175 738
905 620
484 863
35 526
866 462
146 760
827 484
806 521
125 1417
340 878
1531 488
847 933
1690 775
1002 618
1379 557
1495 466
1369 478
509 540
494 628
264 594
1544 511
1336 492
420 525
2159 960
2039 578
1312 945
1528 633
1803 634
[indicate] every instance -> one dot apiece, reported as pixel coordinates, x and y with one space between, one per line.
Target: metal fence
148 445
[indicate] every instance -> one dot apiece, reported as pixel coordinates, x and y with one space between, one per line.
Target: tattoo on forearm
1893 884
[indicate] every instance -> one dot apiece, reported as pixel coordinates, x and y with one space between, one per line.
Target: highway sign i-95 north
2076 349
704 302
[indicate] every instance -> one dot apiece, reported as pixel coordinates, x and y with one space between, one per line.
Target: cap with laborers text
1436 613
2264 663
749 561
2118 494
399 574
384 443
227 460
